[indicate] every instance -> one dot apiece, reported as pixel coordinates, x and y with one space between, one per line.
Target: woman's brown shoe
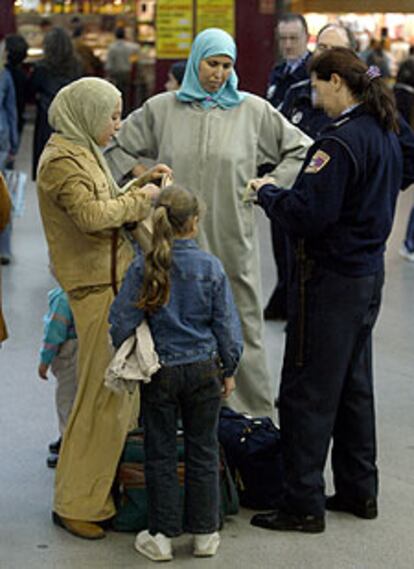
86 530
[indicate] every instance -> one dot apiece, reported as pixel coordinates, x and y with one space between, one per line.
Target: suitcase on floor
130 491
253 452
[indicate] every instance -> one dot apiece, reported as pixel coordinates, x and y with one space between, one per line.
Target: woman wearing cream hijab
81 205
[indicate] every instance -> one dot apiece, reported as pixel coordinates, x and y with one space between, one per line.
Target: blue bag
253 451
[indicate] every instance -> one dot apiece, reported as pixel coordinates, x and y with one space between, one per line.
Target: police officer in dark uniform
298 105
292 32
339 212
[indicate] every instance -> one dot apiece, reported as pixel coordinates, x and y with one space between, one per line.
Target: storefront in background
163 28
369 20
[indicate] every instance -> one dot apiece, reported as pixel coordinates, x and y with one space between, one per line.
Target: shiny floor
28 540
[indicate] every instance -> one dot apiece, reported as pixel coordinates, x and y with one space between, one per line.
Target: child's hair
364 83
174 212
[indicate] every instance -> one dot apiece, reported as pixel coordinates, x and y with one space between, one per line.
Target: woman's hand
150 191
152 174
229 385
257 183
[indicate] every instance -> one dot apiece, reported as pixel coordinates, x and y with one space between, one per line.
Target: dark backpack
130 491
253 452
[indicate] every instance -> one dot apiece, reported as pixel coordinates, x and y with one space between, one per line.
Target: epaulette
340 122
299 84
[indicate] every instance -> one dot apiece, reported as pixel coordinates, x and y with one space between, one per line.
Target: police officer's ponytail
365 83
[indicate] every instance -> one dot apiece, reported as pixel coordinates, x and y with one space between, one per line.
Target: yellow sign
174 21
216 14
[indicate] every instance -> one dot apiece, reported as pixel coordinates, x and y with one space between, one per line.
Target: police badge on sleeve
318 161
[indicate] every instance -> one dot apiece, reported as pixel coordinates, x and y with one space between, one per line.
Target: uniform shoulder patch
318 161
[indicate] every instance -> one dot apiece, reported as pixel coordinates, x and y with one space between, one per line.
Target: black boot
282 521
365 509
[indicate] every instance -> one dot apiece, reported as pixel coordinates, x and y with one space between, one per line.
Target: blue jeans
194 390
409 235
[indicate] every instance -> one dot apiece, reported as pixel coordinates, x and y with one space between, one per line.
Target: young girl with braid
185 296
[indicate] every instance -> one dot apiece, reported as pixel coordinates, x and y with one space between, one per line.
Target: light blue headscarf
208 43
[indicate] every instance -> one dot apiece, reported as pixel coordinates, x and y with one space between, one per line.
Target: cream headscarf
81 111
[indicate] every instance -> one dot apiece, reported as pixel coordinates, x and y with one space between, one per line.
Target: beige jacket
5 208
79 214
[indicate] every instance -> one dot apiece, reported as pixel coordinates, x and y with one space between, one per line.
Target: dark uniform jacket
281 79
298 108
343 200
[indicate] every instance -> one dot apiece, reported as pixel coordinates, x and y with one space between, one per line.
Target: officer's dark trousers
327 387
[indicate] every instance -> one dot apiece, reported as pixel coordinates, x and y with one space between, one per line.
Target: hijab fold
81 111
208 43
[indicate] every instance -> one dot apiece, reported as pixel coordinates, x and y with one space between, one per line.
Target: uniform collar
293 64
348 114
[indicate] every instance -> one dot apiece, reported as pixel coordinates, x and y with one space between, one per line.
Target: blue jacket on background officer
292 33
339 212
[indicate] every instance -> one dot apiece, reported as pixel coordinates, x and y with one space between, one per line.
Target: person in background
16 51
298 104
186 297
175 76
83 211
340 213
9 141
5 209
58 68
378 55
214 137
292 37
122 55
92 66
404 96
292 33
59 352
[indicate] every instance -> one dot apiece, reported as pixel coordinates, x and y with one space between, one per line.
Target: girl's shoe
207 544
155 547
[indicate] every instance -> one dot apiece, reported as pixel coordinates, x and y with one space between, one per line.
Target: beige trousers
63 367
99 421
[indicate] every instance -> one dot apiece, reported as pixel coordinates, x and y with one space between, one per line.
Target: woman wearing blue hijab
209 44
214 137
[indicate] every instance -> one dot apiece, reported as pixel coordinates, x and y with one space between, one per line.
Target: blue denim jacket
200 320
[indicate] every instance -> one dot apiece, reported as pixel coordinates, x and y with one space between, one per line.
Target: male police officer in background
298 105
292 32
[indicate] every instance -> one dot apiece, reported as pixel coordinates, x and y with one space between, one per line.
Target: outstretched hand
153 175
42 371
229 385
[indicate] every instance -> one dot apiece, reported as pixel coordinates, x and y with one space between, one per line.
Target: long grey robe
214 153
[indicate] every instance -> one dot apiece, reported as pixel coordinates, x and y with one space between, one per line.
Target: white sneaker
206 545
406 254
155 547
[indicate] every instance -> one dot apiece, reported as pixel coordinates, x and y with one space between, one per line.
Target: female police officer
339 213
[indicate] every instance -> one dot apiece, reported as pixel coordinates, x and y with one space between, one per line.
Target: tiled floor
28 540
